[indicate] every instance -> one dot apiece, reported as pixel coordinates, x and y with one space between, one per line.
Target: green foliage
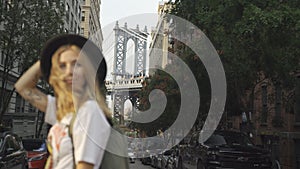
24 27
42 21
254 36
163 81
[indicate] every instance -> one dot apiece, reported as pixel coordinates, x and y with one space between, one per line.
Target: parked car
164 159
131 155
146 160
224 149
153 147
172 162
36 153
12 153
153 158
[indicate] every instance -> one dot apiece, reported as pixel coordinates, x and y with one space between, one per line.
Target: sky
133 12
112 10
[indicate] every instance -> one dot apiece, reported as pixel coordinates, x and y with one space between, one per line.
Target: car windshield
229 139
34 145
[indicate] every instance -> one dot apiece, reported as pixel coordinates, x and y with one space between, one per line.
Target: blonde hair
94 86
64 98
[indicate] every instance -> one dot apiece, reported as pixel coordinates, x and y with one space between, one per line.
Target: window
83 16
20 67
31 108
297 152
297 99
2 57
72 22
75 27
67 8
78 30
79 12
7 95
67 17
82 31
6 5
264 104
19 104
67 13
75 6
278 100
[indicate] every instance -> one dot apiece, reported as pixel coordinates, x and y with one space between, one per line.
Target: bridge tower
124 85
122 36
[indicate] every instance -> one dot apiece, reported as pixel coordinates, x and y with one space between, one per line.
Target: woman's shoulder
91 106
91 111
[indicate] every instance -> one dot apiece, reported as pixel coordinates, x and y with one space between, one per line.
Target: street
138 165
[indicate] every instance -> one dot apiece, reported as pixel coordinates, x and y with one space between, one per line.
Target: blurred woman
75 68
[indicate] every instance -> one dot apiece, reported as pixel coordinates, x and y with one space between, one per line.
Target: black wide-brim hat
89 48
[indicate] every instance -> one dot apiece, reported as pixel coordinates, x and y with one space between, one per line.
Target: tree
254 37
11 19
256 40
25 25
42 21
163 81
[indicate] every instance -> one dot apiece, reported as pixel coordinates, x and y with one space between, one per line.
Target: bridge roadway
125 84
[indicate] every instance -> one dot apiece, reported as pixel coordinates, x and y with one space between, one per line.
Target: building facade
90 21
160 39
274 121
72 18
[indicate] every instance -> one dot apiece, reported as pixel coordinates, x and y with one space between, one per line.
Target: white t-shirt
90 135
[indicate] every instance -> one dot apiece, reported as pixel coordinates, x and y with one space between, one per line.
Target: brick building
274 121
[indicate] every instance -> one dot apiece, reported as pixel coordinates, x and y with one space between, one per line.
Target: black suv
223 150
12 153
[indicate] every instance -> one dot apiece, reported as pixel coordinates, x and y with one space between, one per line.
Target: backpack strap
70 132
122 161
